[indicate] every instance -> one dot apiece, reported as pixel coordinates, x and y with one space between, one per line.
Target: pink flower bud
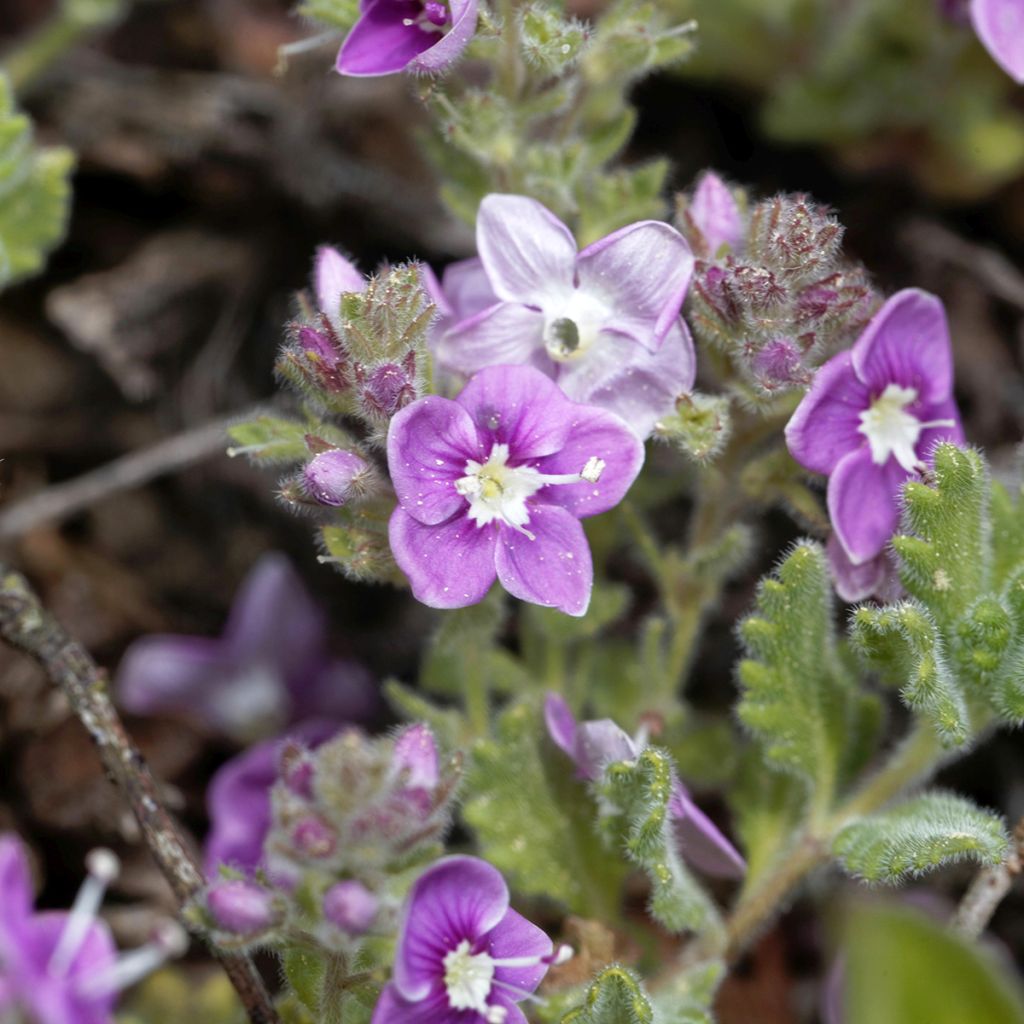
715 213
329 476
351 907
416 755
241 908
389 387
313 838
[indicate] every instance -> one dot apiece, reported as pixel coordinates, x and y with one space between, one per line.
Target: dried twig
989 888
65 499
27 626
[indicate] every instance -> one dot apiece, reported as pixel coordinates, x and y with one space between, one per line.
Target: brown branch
27 626
989 888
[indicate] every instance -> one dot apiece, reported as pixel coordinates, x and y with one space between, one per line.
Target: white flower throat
892 431
497 491
572 326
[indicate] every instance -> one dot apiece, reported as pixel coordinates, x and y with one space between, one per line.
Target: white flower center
498 491
572 326
892 431
468 978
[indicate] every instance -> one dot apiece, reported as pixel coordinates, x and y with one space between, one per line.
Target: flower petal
862 503
715 213
646 388
171 673
907 343
447 49
429 443
333 275
642 271
561 723
555 569
449 565
15 881
467 287
701 842
595 434
934 435
855 583
521 407
529 254
505 333
514 936
381 42
600 743
391 1008
457 898
1000 26
824 427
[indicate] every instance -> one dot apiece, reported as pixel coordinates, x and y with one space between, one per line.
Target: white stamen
496 1015
103 867
891 431
169 941
592 471
468 978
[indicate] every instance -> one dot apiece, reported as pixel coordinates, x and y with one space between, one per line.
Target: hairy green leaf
616 996
269 439
919 835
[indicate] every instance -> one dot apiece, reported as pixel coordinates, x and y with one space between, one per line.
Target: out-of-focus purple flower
594 745
270 667
715 213
334 276
423 36
1000 26
873 415
464 956
240 907
329 477
416 758
493 485
63 968
351 907
238 799
604 322
876 578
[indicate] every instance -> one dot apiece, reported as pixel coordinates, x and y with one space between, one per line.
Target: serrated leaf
637 796
35 193
269 439
616 996
798 699
902 968
919 835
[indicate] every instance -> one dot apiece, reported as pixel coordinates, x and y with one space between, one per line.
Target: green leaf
919 835
269 439
1007 533
339 14
902 968
35 194
798 699
688 996
637 795
615 996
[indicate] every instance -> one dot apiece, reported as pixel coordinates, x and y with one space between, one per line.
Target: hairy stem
28 627
989 888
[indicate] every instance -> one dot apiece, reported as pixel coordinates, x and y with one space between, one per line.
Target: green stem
510 70
478 700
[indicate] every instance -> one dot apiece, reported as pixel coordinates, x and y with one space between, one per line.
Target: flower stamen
103 867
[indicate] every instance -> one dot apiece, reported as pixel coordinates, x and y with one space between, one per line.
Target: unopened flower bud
319 346
351 907
297 770
716 215
779 365
389 387
416 755
313 838
330 475
240 907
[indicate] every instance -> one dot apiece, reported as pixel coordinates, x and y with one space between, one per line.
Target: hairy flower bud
351 907
389 387
241 908
330 476
314 838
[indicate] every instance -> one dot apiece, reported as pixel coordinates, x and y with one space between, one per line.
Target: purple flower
596 744
238 799
270 667
463 956
1000 26
331 477
716 214
63 968
874 413
415 35
351 907
493 485
875 578
604 322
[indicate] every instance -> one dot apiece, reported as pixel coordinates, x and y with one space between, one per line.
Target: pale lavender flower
423 36
873 415
714 212
334 276
463 956
594 745
63 967
999 25
493 485
270 667
332 476
350 906
604 322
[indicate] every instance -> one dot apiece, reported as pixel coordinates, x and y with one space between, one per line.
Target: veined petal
598 434
862 503
554 569
528 253
701 842
467 287
429 443
391 1008
333 276
449 565
458 898
518 406
1000 26
513 936
448 47
932 436
824 427
504 333
907 343
642 271
381 42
